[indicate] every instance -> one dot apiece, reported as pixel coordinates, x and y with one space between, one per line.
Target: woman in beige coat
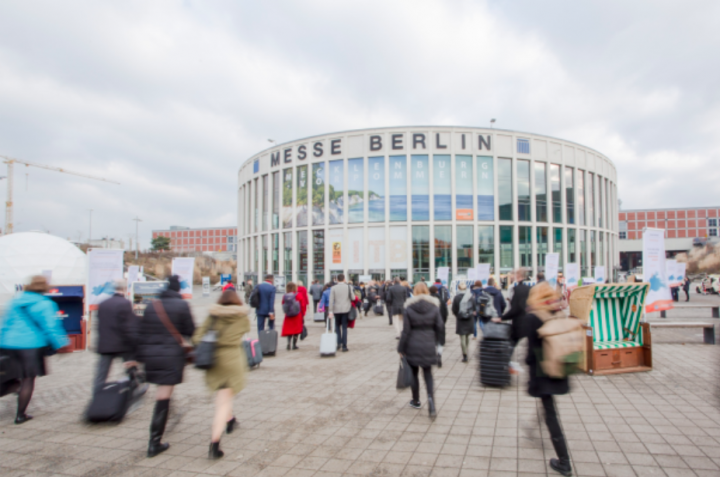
227 376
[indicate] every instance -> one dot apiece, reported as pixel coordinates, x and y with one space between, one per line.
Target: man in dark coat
516 315
248 291
395 296
116 333
686 288
266 310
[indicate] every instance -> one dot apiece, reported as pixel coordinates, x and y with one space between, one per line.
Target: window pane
601 194
486 245
265 200
505 195
601 255
302 196
525 246
318 193
265 254
257 205
591 199
463 188
287 255
287 199
302 249
276 254
558 245
523 185
398 188
570 195
442 197
464 248
582 251
571 240
541 192
541 246
443 248
336 205
421 250
486 189
319 254
581 196
356 192
507 261
420 184
556 193
276 200
256 267
376 189
593 254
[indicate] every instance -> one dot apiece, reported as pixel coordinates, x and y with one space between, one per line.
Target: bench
715 309
708 328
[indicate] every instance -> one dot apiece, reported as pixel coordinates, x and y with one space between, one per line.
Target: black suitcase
268 342
495 362
378 309
112 401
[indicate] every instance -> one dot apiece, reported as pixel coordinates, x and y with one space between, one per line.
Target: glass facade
505 192
275 254
581 196
523 187
421 250
541 192
420 185
463 188
570 195
257 205
398 189
464 248
356 191
336 204
443 247
265 203
486 244
558 245
507 253
302 210
276 201
593 250
525 246
485 188
265 255
600 190
591 199
318 193
572 245
287 209
318 255
287 256
442 196
541 247
556 190
582 251
302 253
376 189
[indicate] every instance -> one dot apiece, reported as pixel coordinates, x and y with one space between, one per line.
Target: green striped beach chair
616 340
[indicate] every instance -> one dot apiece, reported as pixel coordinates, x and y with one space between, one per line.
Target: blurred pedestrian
516 314
30 330
435 293
544 303
341 301
167 322
395 297
324 304
303 297
316 290
266 308
248 290
117 329
463 318
229 316
477 291
498 298
686 288
293 322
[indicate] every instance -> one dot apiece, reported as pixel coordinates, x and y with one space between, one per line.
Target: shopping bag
405 376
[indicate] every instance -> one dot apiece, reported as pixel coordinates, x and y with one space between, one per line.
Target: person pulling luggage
229 317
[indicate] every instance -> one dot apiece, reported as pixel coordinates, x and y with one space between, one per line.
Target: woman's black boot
562 463
431 408
157 428
215 452
230 425
294 346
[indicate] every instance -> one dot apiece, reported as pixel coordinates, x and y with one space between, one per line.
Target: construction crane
10 161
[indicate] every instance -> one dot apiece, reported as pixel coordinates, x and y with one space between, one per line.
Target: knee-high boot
157 428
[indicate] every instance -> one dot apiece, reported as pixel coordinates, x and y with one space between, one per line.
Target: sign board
681 270
184 267
206 286
365 278
142 293
472 274
599 274
443 273
279 282
655 271
224 278
104 266
483 272
552 262
572 276
334 239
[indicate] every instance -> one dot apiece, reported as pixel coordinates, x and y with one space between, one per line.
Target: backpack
443 292
467 306
484 306
562 344
255 298
291 306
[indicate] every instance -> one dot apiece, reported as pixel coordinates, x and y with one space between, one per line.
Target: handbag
304 333
497 331
405 376
352 314
187 348
205 350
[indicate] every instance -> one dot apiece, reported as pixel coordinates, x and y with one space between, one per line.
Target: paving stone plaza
301 415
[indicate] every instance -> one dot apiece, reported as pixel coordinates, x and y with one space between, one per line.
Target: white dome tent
25 254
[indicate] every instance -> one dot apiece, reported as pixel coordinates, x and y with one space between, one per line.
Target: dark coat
498 299
517 313
163 356
267 299
396 296
117 326
373 293
462 327
539 384
422 329
443 315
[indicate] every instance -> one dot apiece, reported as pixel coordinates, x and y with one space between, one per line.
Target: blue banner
398 188
463 188
336 202
442 197
485 188
356 192
376 189
420 184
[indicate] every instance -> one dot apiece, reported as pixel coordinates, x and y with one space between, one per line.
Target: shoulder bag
186 347
205 351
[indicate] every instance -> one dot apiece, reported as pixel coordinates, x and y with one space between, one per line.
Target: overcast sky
169 98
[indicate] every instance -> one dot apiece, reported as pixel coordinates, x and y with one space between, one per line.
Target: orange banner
463 214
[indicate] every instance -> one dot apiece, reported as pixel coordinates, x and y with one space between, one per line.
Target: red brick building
212 239
679 223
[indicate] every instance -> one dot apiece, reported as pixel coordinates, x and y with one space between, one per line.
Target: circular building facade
406 201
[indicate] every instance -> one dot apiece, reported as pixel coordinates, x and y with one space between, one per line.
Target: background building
684 228
405 201
211 239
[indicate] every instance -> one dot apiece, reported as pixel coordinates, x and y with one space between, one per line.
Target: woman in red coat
302 298
293 323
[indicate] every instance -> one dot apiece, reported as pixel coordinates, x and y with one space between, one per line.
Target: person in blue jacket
266 309
30 326
325 302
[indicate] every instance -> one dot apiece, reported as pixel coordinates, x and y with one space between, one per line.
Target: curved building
408 200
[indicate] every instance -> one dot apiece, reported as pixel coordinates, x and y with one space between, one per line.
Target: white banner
443 273
655 272
472 274
376 248
184 267
483 272
365 279
334 239
572 276
670 267
133 273
206 286
599 274
552 262
104 266
398 247
354 259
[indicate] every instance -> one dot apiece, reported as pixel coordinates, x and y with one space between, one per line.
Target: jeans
103 368
261 322
341 324
415 387
478 322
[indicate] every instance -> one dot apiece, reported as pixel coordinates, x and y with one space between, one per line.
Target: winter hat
174 283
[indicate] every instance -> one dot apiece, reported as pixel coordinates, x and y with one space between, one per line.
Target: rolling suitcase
378 308
495 362
268 342
328 342
253 350
112 401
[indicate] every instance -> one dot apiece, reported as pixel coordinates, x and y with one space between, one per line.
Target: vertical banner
398 188
463 188
354 250
485 188
681 271
334 250
572 276
287 189
420 185
552 263
183 267
397 249
301 202
104 266
356 191
443 273
600 274
337 203
654 271
442 198
472 274
318 193
376 248
670 272
376 189
132 276
482 271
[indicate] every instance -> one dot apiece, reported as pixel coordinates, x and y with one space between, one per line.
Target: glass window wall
336 206
572 245
581 196
570 195
421 250
302 254
287 256
601 250
558 245
302 210
442 189
276 200
600 190
443 248
583 253
541 247
463 188
556 193
356 191
505 192
464 248
319 255
485 188
376 189
591 199
420 185
265 254
593 250
523 185
507 253
257 205
255 253
541 192
318 193
265 204
525 246
486 245
398 188
276 254
287 210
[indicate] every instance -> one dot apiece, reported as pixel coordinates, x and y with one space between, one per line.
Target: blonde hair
543 297
421 289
